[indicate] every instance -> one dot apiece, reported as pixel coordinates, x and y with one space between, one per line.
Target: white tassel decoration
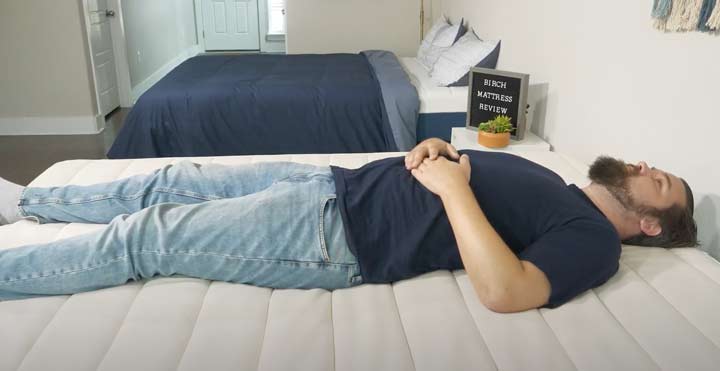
684 15
660 23
672 23
714 21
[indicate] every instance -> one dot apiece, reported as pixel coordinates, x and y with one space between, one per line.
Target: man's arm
502 282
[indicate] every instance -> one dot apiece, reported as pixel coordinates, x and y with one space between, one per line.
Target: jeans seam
236 257
321 228
239 257
304 177
67 272
51 200
20 203
349 275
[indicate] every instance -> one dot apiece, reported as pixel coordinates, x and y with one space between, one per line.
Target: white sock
9 198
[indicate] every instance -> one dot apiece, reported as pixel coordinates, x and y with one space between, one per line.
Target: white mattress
433 98
661 311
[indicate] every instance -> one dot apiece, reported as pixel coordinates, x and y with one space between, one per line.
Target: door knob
109 13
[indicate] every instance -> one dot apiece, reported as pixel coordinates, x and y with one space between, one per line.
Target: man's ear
650 226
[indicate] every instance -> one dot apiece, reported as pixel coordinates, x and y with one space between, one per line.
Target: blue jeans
268 224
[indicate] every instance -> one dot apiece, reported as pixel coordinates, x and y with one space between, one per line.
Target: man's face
639 188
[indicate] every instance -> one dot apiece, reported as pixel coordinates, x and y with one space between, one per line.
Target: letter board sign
493 93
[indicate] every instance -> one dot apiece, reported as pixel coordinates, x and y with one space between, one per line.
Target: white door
103 59
231 24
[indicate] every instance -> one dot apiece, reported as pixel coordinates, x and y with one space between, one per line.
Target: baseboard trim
71 125
142 87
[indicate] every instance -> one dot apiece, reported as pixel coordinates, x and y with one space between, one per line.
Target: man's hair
677 223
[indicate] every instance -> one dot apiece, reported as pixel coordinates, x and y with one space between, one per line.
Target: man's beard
615 175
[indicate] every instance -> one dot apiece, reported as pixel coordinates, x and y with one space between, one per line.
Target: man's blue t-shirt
398 229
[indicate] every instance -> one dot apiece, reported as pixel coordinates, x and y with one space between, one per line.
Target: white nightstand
462 138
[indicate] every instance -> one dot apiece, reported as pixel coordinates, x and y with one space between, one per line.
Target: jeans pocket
324 204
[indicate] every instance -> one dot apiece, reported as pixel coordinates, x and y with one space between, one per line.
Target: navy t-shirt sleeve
575 257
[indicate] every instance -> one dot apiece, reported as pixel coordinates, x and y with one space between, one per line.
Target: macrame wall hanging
687 15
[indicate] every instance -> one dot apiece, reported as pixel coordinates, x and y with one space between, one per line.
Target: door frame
199 25
122 67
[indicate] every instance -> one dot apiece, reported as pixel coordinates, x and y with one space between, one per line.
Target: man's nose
643 166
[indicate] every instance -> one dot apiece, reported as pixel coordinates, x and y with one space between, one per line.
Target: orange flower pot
493 140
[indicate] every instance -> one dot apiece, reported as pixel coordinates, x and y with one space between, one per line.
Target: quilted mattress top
660 311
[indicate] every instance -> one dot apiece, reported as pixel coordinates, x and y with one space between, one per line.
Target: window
276 17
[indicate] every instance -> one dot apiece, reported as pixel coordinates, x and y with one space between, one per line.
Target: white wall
616 86
433 11
349 26
158 33
45 75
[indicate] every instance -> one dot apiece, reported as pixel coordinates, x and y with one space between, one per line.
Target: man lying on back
524 237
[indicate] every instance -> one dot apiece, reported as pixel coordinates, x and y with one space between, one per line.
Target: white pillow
426 44
457 60
435 44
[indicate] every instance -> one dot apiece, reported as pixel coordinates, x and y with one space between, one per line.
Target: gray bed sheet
402 102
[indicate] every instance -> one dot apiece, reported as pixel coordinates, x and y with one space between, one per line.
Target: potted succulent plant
496 132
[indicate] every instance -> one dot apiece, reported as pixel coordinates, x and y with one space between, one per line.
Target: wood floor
24 157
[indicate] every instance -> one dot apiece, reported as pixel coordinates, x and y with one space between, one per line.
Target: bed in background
659 312
441 108
270 104
214 105
440 73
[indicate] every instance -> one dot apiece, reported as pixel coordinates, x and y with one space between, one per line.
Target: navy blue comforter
260 104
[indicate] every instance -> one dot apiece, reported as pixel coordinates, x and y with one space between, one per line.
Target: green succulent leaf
500 124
